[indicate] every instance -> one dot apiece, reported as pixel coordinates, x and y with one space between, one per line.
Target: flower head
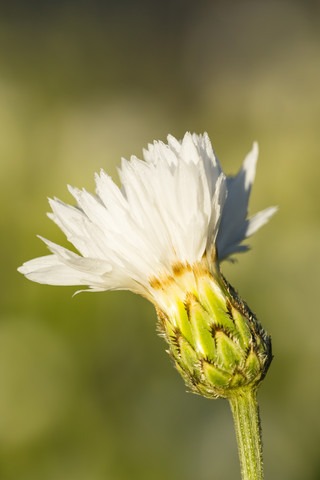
174 208
163 235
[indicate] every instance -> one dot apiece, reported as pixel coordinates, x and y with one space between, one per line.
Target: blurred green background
87 391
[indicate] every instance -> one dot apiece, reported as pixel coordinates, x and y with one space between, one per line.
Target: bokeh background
87 391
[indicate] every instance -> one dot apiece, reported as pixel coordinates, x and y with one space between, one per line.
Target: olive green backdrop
87 391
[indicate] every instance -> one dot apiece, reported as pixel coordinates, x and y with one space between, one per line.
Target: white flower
176 207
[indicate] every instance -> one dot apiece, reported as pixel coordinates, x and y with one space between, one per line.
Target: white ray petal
259 219
174 144
233 221
51 270
91 265
218 203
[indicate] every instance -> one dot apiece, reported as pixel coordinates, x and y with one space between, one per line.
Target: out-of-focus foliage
86 389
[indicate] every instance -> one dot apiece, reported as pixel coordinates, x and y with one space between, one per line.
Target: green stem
247 425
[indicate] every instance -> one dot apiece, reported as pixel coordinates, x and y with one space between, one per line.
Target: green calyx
216 342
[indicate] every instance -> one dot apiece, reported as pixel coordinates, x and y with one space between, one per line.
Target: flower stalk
246 417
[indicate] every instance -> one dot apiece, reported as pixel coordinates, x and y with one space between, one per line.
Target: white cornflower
163 235
174 208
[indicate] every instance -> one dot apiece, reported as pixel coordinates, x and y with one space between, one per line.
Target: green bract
217 343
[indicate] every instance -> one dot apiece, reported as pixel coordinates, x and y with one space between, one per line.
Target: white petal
218 203
76 226
233 223
174 144
110 194
259 219
94 266
50 270
189 152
